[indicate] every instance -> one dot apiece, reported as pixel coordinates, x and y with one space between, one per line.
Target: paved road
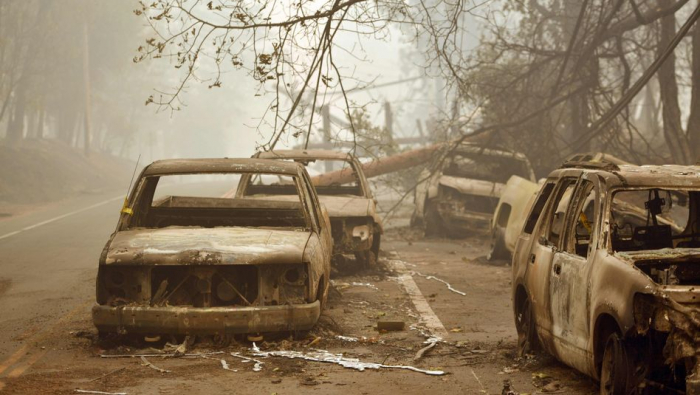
46 271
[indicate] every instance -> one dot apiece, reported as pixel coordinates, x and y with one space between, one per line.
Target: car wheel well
605 325
520 297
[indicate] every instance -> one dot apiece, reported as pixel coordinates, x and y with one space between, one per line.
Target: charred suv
187 258
463 194
606 275
355 225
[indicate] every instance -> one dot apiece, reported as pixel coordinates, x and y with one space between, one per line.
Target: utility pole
86 79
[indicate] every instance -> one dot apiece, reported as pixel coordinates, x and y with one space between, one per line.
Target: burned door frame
539 258
570 299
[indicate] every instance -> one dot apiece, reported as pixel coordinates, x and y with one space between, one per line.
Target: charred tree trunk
694 119
39 131
668 86
15 128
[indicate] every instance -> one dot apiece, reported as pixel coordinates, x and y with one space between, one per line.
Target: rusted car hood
472 187
210 246
346 206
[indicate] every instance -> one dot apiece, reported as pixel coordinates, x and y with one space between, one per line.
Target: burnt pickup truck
355 225
606 275
185 259
461 197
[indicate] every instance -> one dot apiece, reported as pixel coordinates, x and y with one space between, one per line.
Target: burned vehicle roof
659 175
304 154
219 165
646 175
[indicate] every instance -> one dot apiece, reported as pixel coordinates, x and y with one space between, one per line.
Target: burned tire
498 249
525 326
366 259
616 367
376 242
434 226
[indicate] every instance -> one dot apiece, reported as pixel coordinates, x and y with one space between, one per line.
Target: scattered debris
348 338
224 365
390 325
152 366
107 374
164 355
314 341
478 381
258 364
424 350
449 286
508 388
99 392
338 359
344 285
553 386
182 348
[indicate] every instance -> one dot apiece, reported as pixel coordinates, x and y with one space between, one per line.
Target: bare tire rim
525 334
613 368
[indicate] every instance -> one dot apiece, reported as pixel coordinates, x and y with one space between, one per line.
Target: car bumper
211 320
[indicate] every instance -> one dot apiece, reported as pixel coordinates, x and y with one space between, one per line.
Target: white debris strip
449 286
99 392
348 338
224 365
258 364
338 359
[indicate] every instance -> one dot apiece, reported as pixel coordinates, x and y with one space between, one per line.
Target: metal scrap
338 359
224 365
154 367
343 285
258 363
429 277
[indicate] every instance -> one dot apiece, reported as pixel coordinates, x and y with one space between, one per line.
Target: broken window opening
557 217
538 207
654 218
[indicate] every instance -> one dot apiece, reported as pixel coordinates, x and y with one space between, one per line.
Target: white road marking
430 320
42 223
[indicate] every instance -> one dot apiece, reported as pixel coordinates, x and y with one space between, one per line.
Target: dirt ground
477 352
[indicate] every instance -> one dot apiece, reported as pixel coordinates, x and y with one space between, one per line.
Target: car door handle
557 269
532 258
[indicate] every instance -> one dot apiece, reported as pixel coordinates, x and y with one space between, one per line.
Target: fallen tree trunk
380 166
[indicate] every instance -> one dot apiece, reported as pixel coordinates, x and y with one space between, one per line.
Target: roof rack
589 161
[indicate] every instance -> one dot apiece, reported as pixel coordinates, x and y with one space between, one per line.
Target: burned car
355 225
462 196
606 275
187 259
